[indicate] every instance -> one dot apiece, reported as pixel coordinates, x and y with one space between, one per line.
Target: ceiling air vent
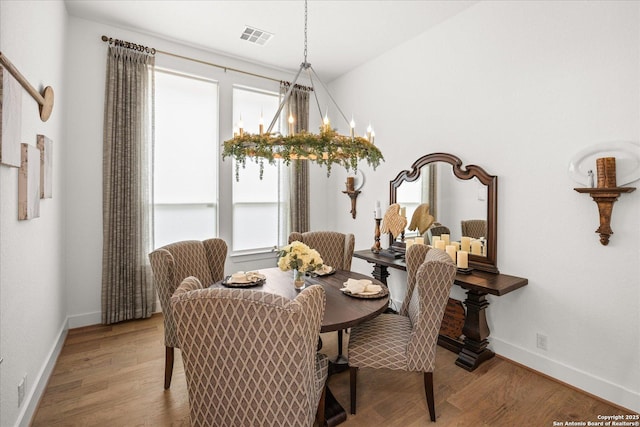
255 35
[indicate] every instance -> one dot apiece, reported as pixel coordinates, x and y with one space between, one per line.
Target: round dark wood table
341 311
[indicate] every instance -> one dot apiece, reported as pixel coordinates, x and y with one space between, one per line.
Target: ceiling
341 34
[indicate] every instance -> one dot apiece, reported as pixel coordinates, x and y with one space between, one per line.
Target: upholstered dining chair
407 341
171 264
250 356
475 228
336 249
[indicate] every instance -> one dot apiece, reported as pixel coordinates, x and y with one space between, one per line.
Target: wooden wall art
29 183
10 119
46 166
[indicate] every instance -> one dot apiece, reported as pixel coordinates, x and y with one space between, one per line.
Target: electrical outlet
21 387
541 341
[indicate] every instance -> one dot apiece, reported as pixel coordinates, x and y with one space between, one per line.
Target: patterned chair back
475 228
426 308
249 356
172 263
336 249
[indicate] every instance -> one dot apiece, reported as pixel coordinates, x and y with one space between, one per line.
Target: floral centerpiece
300 258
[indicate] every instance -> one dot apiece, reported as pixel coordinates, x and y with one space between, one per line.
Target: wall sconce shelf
353 195
605 198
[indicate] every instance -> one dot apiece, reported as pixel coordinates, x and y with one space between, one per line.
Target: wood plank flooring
113 376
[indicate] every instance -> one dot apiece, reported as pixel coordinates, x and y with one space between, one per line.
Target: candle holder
605 198
353 195
376 246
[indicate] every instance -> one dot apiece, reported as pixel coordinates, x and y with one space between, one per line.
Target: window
259 205
185 158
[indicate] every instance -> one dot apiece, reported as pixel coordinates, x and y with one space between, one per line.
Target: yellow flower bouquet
299 257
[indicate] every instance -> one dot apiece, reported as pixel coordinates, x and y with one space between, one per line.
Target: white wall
519 88
32 284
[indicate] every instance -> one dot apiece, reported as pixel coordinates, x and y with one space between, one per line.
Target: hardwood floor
113 376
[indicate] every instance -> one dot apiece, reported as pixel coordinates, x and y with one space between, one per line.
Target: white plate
627 156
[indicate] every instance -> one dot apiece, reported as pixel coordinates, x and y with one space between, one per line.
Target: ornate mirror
457 197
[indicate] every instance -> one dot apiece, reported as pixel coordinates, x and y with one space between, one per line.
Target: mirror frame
488 263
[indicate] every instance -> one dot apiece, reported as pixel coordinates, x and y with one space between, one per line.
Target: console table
472 350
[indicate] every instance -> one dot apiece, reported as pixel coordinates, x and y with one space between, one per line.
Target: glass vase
298 280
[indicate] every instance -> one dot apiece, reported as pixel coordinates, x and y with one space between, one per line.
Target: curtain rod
153 51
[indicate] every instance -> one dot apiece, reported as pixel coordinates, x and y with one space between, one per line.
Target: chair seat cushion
380 342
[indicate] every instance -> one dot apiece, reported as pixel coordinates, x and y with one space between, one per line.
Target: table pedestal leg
340 363
334 413
476 331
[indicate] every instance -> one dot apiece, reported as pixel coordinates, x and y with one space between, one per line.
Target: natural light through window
258 205
185 158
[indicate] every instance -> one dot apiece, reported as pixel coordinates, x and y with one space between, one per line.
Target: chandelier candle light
326 148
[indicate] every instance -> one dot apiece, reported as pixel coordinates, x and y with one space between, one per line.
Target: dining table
342 311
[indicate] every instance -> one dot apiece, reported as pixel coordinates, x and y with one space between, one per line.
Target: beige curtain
298 105
127 287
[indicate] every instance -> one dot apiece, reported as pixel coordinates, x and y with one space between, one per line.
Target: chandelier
324 148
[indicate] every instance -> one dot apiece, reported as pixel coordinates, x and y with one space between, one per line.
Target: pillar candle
440 245
408 243
476 247
434 239
457 245
350 183
419 240
403 212
465 243
445 237
463 259
606 169
451 251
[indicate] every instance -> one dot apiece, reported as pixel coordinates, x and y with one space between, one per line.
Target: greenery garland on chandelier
325 148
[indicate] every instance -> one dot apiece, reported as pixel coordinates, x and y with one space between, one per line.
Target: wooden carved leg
353 376
476 331
428 388
380 272
168 367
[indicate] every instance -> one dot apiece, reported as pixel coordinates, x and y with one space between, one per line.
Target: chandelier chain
305 31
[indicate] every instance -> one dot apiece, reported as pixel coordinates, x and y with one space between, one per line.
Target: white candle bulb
261 124
353 128
290 124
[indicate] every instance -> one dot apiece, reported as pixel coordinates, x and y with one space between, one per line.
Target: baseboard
32 399
581 380
86 319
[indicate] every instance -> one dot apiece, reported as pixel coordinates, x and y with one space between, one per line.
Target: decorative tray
251 280
383 293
